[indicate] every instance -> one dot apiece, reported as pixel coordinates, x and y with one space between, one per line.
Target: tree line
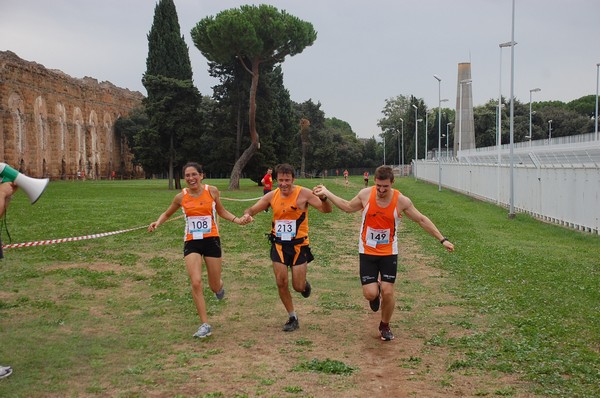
250 123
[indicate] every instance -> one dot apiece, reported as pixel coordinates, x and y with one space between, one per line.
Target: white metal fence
557 181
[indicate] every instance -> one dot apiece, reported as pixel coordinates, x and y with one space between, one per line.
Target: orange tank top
378 227
200 215
289 222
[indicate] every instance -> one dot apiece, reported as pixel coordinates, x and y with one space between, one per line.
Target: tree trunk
171 161
238 167
303 164
239 130
240 164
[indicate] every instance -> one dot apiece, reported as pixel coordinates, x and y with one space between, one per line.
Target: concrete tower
464 124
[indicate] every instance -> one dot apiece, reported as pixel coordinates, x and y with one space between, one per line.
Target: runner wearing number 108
200 203
381 207
289 235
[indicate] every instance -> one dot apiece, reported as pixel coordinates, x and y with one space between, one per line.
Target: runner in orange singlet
200 204
289 235
381 207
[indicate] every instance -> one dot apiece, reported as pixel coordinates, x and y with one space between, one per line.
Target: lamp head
437 78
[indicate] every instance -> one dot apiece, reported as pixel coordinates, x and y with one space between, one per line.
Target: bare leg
213 269
281 278
193 264
299 277
388 301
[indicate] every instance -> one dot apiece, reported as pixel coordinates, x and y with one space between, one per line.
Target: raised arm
349 206
261 205
323 205
406 206
173 207
223 212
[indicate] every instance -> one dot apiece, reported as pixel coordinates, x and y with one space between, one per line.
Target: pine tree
173 101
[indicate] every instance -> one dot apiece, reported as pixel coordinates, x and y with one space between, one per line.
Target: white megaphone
33 187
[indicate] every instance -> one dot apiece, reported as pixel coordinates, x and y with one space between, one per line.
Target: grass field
513 312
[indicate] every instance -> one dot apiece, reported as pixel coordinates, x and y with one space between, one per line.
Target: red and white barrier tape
241 200
72 239
76 238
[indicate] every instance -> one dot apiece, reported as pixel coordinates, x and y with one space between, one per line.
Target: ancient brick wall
53 125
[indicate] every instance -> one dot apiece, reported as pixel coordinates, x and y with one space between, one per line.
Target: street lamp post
416 131
439 132
447 125
596 118
533 90
465 81
402 147
549 131
400 162
511 212
499 128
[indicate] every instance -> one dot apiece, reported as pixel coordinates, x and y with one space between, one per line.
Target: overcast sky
365 52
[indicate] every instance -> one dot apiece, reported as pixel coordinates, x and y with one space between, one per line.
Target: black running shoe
307 290
291 325
375 303
386 333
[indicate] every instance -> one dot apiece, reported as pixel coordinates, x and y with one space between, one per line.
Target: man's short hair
384 173
284 168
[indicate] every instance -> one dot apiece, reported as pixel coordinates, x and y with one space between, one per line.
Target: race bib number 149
377 237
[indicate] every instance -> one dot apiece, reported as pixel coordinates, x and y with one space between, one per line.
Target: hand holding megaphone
33 187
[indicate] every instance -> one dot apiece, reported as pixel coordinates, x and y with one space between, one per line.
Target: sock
293 314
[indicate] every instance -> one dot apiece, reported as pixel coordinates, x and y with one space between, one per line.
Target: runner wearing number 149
381 207
289 235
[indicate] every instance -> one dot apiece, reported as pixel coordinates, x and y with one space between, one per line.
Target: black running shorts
207 247
290 254
371 266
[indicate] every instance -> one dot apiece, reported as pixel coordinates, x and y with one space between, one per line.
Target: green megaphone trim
7 173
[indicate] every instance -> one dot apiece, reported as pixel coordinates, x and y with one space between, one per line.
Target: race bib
199 225
285 229
377 237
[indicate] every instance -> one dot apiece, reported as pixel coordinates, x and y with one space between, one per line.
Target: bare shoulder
404 202
214 191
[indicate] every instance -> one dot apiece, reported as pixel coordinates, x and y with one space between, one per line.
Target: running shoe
220 294
376 302
307 290
291 325
204 330
5 371
386 333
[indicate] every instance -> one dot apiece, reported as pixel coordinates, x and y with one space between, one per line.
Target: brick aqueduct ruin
56 126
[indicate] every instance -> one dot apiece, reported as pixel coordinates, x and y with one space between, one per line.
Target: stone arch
80 144
15 138
109 134
59 139
93 159
40 141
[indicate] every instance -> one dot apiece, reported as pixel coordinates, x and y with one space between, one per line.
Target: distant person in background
267 181
346 176
200 203
381 207
366 178
7 189
289 236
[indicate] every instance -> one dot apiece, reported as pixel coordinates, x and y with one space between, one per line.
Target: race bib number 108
199 225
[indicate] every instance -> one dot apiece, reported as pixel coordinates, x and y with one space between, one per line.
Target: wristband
443 240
